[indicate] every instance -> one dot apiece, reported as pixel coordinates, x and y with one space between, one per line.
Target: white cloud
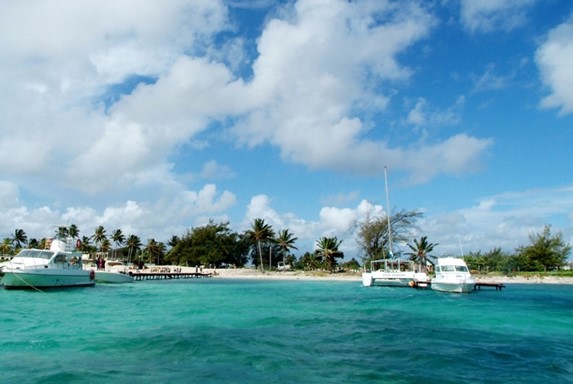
213 170
491 15
490 80
505 220
458 154
554 57
318 67
423 114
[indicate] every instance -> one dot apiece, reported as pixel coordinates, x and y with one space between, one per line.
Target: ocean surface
255 331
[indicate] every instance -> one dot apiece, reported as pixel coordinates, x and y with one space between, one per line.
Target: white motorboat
57 266
113 277
115 273
452 275
394 272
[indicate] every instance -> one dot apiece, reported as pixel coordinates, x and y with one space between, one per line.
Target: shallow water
247 331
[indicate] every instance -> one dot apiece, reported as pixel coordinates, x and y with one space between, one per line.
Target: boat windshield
454 268
36 254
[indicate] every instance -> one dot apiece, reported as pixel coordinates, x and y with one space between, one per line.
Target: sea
266 331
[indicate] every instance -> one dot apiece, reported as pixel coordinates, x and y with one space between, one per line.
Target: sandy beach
251 273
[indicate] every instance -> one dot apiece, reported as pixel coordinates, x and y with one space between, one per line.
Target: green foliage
309 262
420 251
260 232
493 260
211 244
545 252
328 251
19 239
352 265
372 236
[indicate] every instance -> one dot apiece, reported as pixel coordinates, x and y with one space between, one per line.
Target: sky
155 117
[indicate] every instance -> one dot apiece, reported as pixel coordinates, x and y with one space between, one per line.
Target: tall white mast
388 214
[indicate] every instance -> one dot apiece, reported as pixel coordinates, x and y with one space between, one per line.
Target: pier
139 276
497 286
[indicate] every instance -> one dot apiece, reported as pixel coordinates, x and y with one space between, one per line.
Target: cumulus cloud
554 57
97 97
492 15
316 69
505 220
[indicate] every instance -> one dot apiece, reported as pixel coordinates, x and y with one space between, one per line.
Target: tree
328 250
6 246
173 241
133 245
372 235
309 261
105 245
19 238
420 251
74 231
545 251
99 237
34 243
211 244
286 240
493 260
259 232
86 246
118 238
154 250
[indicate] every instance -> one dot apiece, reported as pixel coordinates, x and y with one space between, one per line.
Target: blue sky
154 117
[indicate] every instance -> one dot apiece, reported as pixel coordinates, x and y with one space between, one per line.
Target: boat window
447 268
461 268
36 254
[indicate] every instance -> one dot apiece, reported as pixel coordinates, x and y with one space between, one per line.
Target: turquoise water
253 331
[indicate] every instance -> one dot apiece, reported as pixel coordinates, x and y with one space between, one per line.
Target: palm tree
328 249
99 237
34 243
6 246
309 261
285 240
133 245
19 238
173 241
118 238
420 251
85 245
151 249
105 245
74 231
259 232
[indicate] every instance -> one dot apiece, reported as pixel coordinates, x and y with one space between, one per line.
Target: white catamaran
393 271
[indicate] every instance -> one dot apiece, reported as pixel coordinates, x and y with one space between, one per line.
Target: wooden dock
497 286
139 276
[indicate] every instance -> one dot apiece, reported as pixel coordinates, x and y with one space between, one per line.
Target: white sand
251 273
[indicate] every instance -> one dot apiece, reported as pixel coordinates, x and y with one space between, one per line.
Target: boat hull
392 279
46 278
107 277
465 286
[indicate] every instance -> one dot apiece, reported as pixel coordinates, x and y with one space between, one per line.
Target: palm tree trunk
261 256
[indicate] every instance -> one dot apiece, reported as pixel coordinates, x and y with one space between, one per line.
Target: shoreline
249 273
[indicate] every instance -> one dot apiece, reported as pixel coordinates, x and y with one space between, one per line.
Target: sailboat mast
388 213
